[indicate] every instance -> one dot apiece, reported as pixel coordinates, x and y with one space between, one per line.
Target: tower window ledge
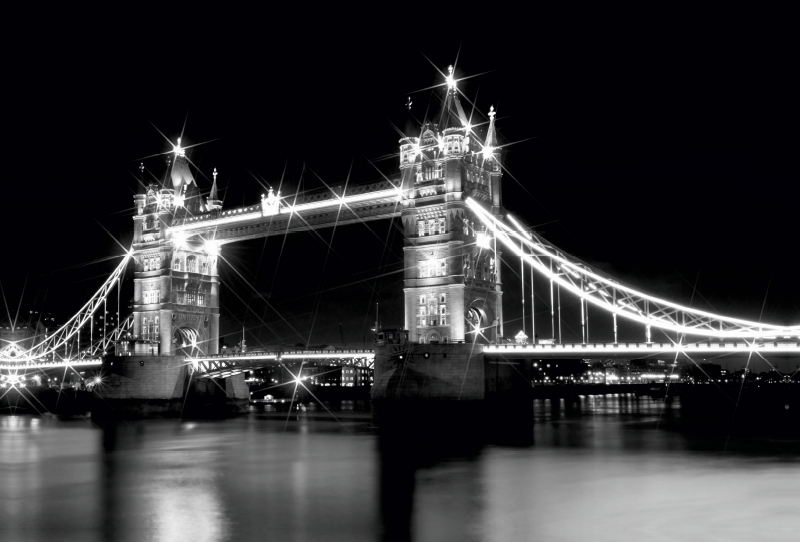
430 182
435 237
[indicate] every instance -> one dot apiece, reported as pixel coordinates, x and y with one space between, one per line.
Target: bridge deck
778 350
223 366
359 204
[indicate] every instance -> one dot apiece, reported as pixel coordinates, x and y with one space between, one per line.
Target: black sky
667 157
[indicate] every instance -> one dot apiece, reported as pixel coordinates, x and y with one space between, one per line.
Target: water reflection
597 468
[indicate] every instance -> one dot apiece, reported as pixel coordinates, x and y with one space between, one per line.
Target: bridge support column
450 386
213 335
140 386
165 332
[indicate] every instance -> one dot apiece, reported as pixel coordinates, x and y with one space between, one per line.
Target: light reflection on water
598 469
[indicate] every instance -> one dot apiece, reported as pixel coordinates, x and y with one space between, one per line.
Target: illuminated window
150 327
466 227
421 228
152 262
422 299
439 170
419 175
153 327
442 298
424 270
201 299
432 268
191 297
177 264
204 267
180 297
191 264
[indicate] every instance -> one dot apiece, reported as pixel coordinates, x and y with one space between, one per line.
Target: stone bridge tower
176 286
453 289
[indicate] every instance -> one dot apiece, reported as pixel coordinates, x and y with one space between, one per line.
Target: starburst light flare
178 150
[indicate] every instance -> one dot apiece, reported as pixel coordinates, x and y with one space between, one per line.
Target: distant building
18 334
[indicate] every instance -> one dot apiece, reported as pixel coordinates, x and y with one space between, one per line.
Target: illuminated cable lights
705 323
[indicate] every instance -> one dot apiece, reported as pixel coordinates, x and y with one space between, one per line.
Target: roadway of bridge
224 365
768 350
35 364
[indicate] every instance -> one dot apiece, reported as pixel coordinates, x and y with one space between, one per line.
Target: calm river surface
606 470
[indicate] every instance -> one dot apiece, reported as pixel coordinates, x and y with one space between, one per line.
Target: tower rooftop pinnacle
491 137
453 115
213 194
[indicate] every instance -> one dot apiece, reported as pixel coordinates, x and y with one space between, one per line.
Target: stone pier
163 386
452 385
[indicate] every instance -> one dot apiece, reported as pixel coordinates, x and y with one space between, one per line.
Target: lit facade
453 288
176 286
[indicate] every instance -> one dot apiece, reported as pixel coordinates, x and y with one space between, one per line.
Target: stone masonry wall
143 377
451 372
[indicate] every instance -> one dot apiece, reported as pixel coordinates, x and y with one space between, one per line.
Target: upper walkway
274 216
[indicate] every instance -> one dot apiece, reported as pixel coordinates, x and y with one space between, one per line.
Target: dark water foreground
602 468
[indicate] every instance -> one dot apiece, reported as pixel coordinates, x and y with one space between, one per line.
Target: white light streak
757 329
178 150
483 241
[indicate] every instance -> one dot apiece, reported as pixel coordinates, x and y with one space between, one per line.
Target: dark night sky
666 158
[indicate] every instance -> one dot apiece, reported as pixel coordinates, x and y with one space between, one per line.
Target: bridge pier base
162 386
450 387
216 397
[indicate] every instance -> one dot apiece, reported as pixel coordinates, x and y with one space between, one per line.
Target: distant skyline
656 165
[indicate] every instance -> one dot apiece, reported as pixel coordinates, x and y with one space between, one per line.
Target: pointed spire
213 201
167 173
142 189
181 173
491 135
213 194
452 104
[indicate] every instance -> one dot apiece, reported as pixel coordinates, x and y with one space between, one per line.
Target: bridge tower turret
452 284
176 286
213 202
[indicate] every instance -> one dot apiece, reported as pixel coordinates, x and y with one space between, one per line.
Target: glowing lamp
212 247
451 83
483 240
179 239
178 150
487 152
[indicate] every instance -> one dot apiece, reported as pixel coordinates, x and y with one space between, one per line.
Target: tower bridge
448 197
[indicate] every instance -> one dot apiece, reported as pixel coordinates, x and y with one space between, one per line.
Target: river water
607 469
